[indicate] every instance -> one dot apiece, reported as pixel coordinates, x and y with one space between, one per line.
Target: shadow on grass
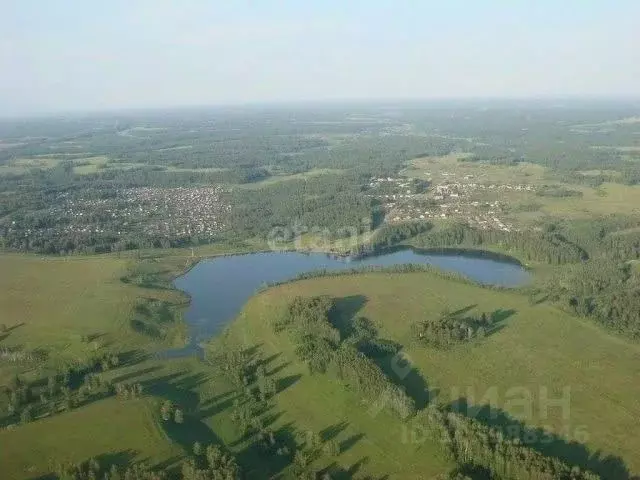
135 374
258 461
337 472
463 310
347 444
132 357
279 368
222 403
545 442
286 382
400 373
333 431
344 311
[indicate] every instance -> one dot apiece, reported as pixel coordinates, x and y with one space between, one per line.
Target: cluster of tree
391 234
254 387
548 247
93 470
210 463
207 463
319 345
126 392
171 412
606 291
476 446
75 386
153 318
557 191
449 329
333 202
363 335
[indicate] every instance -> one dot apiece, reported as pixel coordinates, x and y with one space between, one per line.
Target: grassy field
81 164
537 346
109 430
276 178
52 303
453 168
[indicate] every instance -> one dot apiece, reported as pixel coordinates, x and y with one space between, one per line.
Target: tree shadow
14 327
216 407
500 315
401 373
336 472
132 357
250 352
135 374
7 330
333 431
260 461
343 312
178 388
286 382
266 361
463 310
279 368
498 320
347 444
545 442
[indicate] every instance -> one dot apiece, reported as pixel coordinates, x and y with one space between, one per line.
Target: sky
79 55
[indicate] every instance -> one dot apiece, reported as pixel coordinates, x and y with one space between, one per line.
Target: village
171 213
449 199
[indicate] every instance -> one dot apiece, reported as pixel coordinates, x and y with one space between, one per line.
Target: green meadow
56 304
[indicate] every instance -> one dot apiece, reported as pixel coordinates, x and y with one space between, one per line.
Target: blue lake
219 287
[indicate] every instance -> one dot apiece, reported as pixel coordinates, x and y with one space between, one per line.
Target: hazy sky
85 54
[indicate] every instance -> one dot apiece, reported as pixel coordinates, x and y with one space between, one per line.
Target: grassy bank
534 347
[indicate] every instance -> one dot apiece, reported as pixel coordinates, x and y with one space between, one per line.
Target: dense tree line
331 202
608 292
319 345
207 463
479 447
548 247
391 234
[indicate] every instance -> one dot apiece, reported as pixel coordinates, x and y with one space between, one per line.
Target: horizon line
329 102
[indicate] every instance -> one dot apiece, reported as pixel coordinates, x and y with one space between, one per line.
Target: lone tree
166 410
25 416
178 416
332 448
197 449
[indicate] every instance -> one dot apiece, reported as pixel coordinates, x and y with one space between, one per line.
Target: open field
538 346
81 164
52 303
296 176
85 164
109 430
453 168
